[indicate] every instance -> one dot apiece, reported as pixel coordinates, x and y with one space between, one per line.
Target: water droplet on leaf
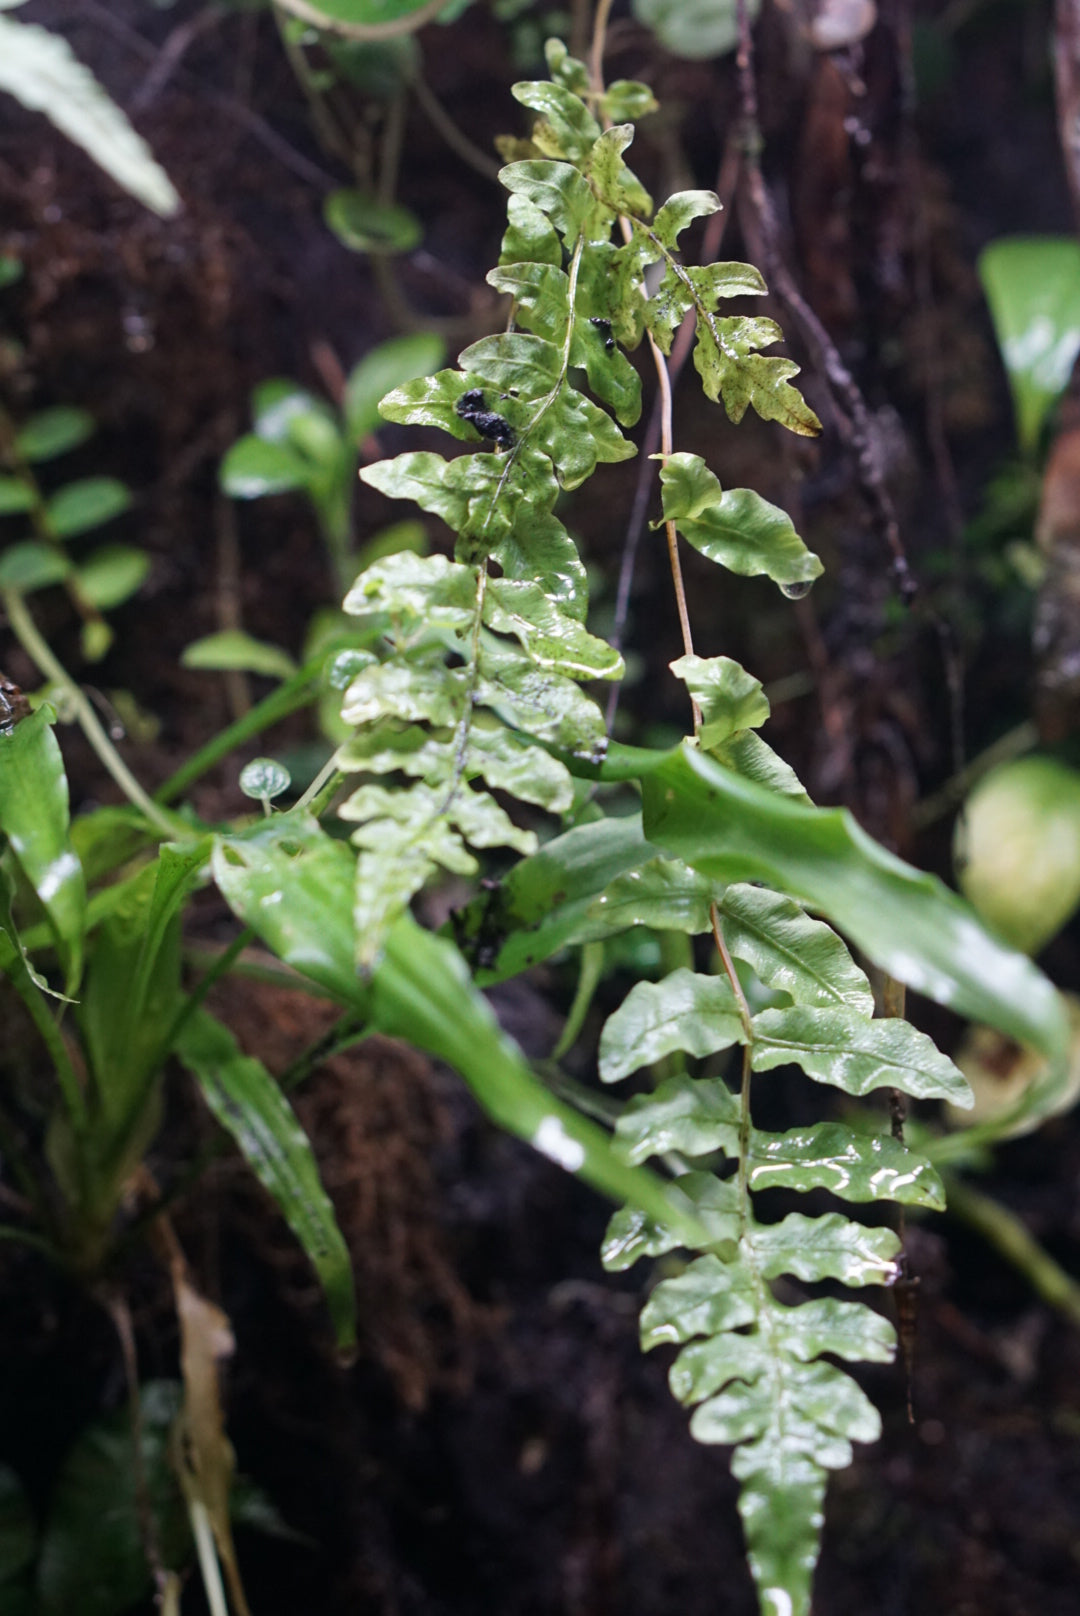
798 590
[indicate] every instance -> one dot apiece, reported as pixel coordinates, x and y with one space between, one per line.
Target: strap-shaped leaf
251 1107
736 527
34 817
787 950
685 1011
840 1047
292 883
40 69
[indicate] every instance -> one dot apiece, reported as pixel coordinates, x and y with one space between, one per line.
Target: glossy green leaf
695 28
1032 284
737 528
41 71
627 100
93 1558
264 778
855 1167
707 1297
233 650
663 893
692 1117
32 565
840 1047
364 224
53 432
256 466
87 504
730 699
248 1103
112 575
801 957
554 641
385 367
366 11
829 1247
698 1014
782 1508
34 818
555 189
15 496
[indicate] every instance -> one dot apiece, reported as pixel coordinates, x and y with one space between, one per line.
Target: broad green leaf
528 772
849 1330
530 238
1032 284
707 1297
698 1014
627 100
32 565
112 575
256 466
556 189
87 504
93 1557
787 950
248 1103
664 894
904 920
618 189
737 528
853 1166
53 432
829 1247
430 401
389 365
568 128
730 699
418 593
413 691
15 496
366 12
233 650
692 1117
546 705
40 70
293 884
34 817
681 210
695 28
554 641
364 224
841 1047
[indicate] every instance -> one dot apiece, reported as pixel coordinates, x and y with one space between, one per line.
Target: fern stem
596 52
747 1070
